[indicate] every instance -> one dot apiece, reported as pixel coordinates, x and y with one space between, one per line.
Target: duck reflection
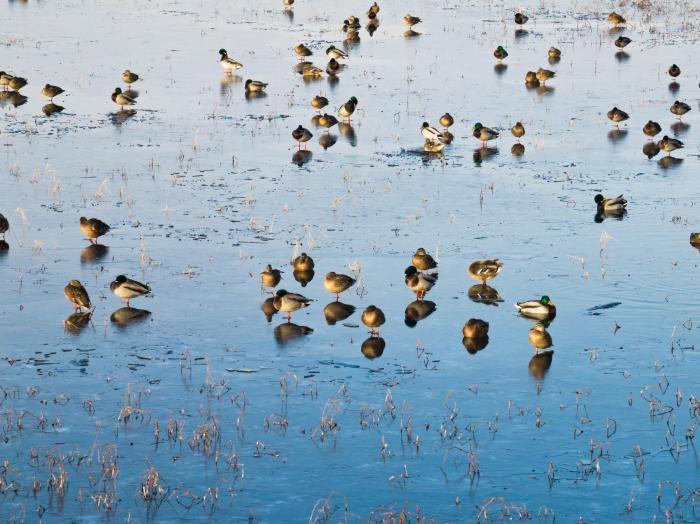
316 120
268 308
254 95
303 277
447 137
695 240
337 312
680 128
348 133
521 33
289 13
93 253
553 60
474 345
333 81
17 99
617 135
540 363
484 294
4 247
500 68
327 140
601 216
517 149
484 153
129 315
288 332
302 157
417 311
674 87
669 161
410 33
373 347
51 109
76 322
120 117
372 26
227 82
476 335
651 149
544 90
621 56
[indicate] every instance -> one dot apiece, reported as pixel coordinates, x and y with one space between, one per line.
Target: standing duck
228 64
670 144
373 318
679 108
539 337
518 130
410 21
129 78
347 109
5 80
447 121
418 282
319 102
616 19
554 53
430 133
290 302
337 54
674 71
543 75
303 263
121 99
617 115
327 121
127 288
423 261
77 295
373 9
542 309
500 53
301 134
651 129
17 82
484 134
521 19
333 67
271 277
484 270
50 91
302 51
4 225
93 228
337 283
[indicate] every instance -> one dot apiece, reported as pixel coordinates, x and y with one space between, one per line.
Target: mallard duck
373 318
271 277
290 302
410 21
333 67
337 54
554 53
77 295
679 108
303 263
622 42
50 91
651 149
288 3
373 9
5 80
484 270
446 120
418 282
617 115
500 53
475 328
302 51
651 129
544 74
417 311
127 288
670 144
301 134
616 19
674 71
521 19
518 130
542 309
610 205
129 78
347 109
319 102
121 99
539 337
337 283
354 22
337 312
423 261
311 71
531 78
93 228
17 82
4 225
695 239
229 64
433 147
484 134
255 86
373 347
327 121
430 133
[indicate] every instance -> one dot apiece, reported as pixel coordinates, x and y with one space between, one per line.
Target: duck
423 261
4 225
50 91
127 288
290 302
301 134
531 78
518 130
521 19
447 121
484 134
695 240
651 129
337 283
544 74
354 22
77 295
617 115
674 71
430 133
229 64
93 228
271 277
254 86
5 80
670 144
616 204
373 318
327 121
311 71
679 108
616 19
319 102
337 54
539 337
129 78
542 309
554 53
303 263
484 270
337 312
347 109
333 67
410 21
373 9
302 51
418 282
121 99
500 53
475 328
622 42
17 82
287 3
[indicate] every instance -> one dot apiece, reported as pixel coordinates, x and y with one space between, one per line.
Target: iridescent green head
545 301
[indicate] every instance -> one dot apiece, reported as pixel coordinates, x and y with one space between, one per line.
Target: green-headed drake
127 288
333 67
228 64
430 133
500 53
483 134
347 109
121 99
542 309
290 302
4 225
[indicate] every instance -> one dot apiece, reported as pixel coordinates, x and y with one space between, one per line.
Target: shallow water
201 191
